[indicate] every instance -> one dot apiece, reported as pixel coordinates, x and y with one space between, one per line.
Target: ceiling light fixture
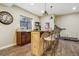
42 11
51 12
45 12
74 8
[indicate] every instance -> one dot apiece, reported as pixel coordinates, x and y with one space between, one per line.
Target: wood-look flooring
17 51
65 48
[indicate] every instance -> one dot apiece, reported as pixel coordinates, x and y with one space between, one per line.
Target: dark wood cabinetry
23 38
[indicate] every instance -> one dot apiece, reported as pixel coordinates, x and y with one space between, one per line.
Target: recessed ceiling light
42 11
74 8
32 4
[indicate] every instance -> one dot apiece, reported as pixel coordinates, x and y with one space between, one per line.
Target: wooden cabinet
23 38
36 44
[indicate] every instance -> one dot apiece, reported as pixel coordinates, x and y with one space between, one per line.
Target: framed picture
47 26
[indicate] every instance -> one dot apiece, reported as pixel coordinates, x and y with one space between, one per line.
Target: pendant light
45 12
51 11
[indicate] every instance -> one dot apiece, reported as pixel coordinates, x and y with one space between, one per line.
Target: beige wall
71 23
8 32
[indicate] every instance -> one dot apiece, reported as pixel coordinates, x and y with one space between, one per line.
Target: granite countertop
19 30
31 31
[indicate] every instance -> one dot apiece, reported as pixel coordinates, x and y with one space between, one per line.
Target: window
25 23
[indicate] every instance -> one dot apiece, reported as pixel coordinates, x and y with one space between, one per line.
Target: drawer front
26 37
23 38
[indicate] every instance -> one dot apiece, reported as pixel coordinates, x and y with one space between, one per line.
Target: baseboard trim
1 48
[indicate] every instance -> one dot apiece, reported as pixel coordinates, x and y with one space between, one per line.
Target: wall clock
6 18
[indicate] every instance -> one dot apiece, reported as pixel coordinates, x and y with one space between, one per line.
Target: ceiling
58 9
